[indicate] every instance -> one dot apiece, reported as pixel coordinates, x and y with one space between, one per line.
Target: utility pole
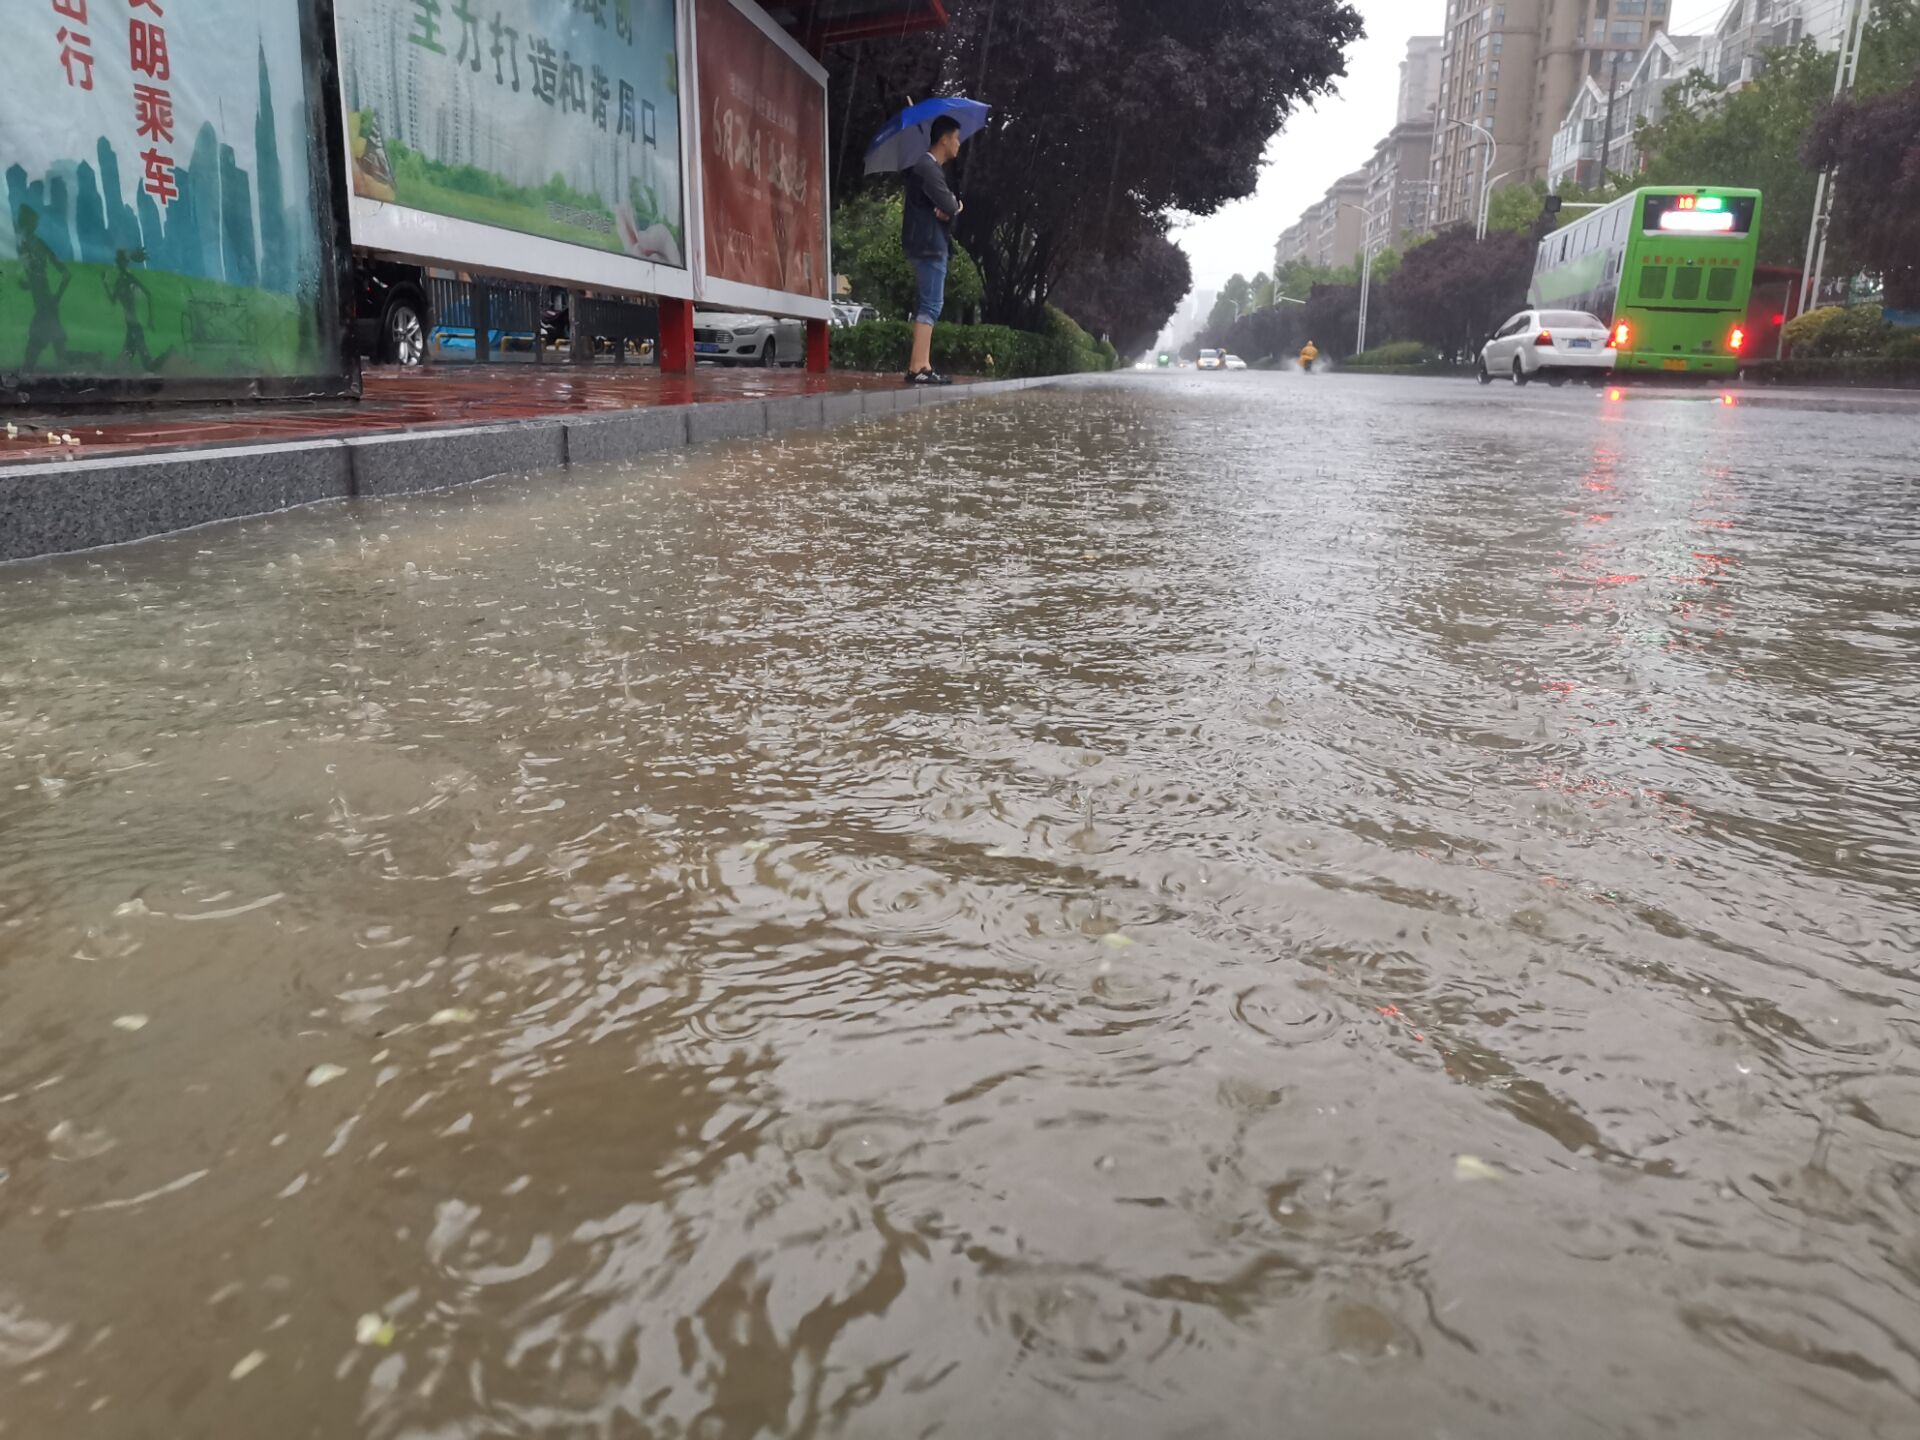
1851 41
1606 135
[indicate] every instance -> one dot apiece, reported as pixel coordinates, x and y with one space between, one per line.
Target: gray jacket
924 235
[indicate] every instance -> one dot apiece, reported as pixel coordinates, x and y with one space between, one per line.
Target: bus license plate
1676 364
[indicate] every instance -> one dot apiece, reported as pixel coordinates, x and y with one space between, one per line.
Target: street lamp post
1486 199
1367 252
1486 169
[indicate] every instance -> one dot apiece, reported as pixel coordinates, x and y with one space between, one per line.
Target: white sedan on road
1233 362
1555 345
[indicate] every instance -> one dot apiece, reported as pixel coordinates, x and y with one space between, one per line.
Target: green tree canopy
1108 115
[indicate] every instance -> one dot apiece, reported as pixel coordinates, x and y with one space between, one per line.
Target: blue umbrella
905 138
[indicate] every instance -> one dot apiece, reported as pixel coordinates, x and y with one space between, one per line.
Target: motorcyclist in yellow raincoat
1309 355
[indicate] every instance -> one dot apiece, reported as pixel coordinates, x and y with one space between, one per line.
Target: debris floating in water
130 1023
451 1017
373 1329
323 1074
247 1364
1472 1167
1116 941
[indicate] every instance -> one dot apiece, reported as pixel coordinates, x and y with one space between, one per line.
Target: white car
1233 362
847 314
1555 345
1210 360
748 339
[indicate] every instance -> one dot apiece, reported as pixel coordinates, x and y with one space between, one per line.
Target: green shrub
1905 345
1838 330
866 249
1397 352
883 346
1879 371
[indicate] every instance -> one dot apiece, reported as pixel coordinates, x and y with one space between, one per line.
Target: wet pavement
396 400
1208 906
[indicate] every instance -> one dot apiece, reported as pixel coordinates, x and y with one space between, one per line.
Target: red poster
762 138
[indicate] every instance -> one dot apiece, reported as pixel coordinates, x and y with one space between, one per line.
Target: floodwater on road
1205 906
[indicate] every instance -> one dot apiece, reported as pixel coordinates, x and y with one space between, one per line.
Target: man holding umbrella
921 140
926 226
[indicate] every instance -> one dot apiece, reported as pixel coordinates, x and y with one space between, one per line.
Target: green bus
1669 268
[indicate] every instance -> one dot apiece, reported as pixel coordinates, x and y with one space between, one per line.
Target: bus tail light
1622 333
1737 339
1544 340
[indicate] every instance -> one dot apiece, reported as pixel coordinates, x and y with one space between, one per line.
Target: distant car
1233 362
1210 360
846 314
748 339
1554 345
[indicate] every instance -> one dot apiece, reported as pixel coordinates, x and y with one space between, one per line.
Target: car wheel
767 356
1520 376
1485 375
403 337
1556 380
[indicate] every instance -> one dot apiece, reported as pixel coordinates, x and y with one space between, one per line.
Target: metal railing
481 321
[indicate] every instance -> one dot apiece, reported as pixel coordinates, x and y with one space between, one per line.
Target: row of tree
1774 134
1110 117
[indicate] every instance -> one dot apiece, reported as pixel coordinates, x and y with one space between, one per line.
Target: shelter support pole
676 336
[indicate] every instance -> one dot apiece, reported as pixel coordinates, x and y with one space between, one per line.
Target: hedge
1398 352
994 350
1838 330
1881 370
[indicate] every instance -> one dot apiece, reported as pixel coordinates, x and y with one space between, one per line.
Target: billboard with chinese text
167 215
534 136
763 138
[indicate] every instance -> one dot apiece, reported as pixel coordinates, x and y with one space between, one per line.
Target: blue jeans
933 289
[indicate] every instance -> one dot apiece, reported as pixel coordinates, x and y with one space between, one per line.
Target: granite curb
64 506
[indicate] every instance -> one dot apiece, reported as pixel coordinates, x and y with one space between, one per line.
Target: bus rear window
1698 215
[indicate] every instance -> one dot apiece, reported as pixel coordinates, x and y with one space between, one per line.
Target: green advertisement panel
166 216
557 119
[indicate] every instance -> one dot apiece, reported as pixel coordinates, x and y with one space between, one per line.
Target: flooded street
1204 906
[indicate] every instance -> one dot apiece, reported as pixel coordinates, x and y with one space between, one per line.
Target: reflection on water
1190 909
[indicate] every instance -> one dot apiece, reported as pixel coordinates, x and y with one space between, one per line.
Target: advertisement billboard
168 224
763 175
540 137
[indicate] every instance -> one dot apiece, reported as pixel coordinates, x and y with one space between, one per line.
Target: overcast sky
1323 143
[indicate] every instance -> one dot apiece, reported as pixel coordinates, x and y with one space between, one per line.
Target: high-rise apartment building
1385 201
1597 135
1419 79
1512 68
1750 28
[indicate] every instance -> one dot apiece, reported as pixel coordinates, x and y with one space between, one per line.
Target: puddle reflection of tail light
1622 333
